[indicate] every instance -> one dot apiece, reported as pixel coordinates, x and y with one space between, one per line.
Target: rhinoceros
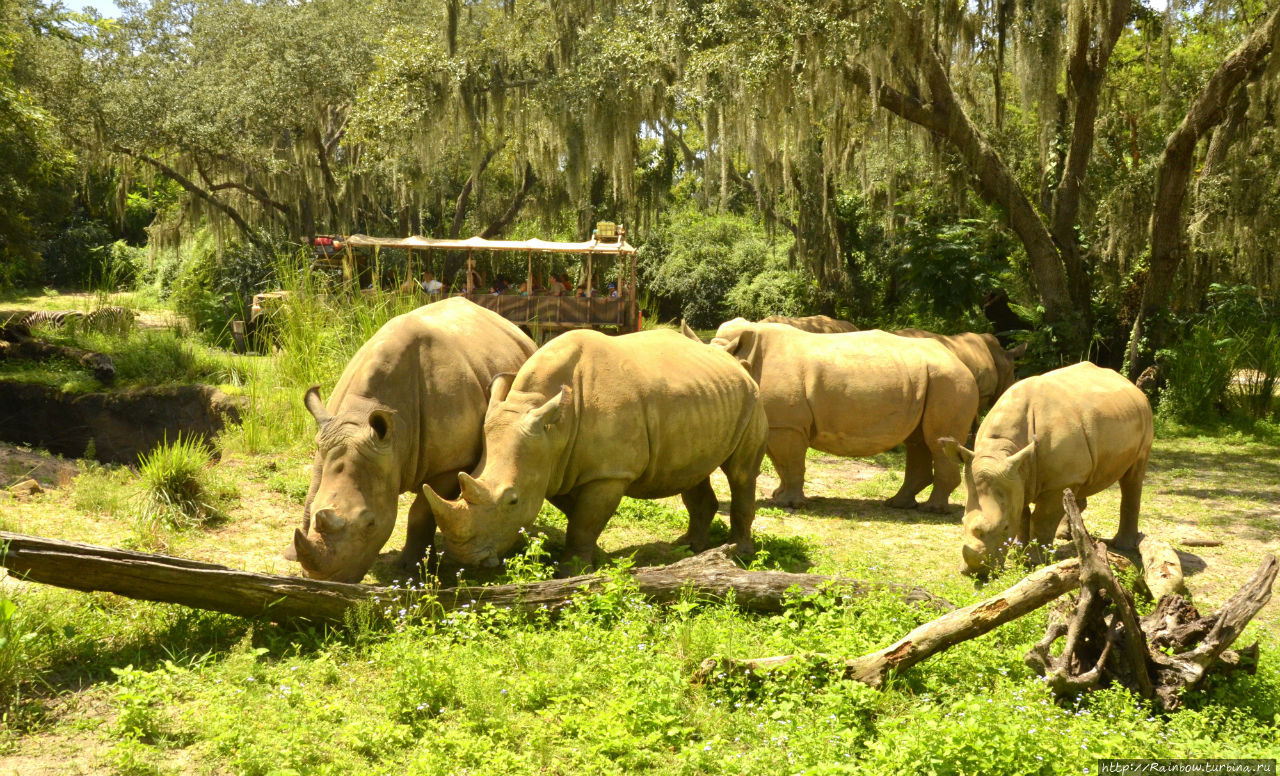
818 324
856 394
408 409
990 364
1081 427
591 418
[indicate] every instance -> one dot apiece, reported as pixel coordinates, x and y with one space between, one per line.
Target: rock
26 489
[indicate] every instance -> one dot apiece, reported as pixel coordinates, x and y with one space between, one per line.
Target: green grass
178 491
605 689
108 684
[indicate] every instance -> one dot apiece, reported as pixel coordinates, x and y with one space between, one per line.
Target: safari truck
599 292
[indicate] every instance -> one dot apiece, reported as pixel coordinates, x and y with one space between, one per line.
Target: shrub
696 263
1198 372
177 490
1228 358
17 648
211 281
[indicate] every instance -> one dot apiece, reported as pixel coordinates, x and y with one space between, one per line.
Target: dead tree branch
150 577
1034 591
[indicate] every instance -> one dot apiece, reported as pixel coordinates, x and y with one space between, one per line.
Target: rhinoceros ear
549 414
380 422
311 399
955 451
1017 352
499 387
687 331
743 347
1021 461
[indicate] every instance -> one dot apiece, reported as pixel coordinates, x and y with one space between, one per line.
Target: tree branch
514 208
1086 72
992 178
1209 108
464 196
191 187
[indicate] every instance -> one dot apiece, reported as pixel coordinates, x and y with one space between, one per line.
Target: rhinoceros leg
741 470
420 534
1126 537
702 504
786 448
1045 518
919 472
593 504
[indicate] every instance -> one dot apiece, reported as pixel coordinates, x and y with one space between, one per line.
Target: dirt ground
1197 489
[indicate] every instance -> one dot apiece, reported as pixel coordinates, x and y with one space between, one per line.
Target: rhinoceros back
432 366
1090 426
652 408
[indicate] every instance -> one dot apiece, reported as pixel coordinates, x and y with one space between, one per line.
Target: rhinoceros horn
316 407
687 331
472 491
450 515
328 521
303 550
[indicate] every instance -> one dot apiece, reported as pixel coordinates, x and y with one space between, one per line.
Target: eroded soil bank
120 424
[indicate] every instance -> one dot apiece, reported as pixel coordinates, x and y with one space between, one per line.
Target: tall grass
314 332
179 490
322 324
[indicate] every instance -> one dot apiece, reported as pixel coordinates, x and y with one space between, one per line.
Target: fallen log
152 577
1160 656
17 342
1161 568
1033 591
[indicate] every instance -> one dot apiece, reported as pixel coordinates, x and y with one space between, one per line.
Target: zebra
52 318
110 320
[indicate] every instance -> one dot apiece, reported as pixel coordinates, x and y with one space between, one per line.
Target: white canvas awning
481 244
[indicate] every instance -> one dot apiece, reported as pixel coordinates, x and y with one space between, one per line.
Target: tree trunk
991 178
1168 238
464 196
1160 656
202 585
1086 72
517 203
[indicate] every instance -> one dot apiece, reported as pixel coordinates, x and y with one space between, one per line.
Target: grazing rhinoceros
591 418
408 409
856 394
1080 427
990 364
818 324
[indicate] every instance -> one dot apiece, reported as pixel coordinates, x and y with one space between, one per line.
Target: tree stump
1158 657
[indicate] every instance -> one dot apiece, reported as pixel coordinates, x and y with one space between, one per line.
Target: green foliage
1197 371
210 280
709 268
1229 358
179 490
19 649
939 270
140 356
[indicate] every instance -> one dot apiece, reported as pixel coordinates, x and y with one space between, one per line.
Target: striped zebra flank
110 320
52 318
